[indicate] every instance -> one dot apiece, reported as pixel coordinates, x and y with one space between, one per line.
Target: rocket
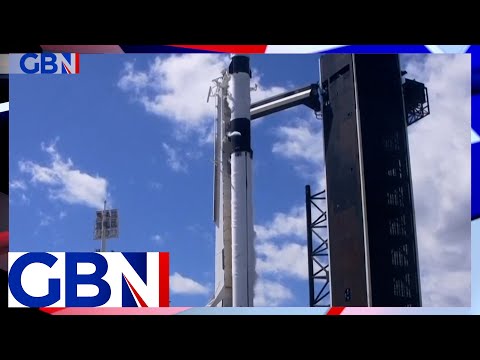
243 251
233 208
233 188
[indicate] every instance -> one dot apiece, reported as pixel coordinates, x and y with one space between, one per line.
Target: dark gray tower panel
344 188
373 251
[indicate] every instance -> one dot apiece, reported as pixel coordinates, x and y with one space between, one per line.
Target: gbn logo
112 279
50 63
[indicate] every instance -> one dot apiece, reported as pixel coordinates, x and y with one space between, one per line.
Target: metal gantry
317 243
417 104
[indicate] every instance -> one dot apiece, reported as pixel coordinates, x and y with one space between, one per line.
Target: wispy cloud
133 80
281 248
182 285
64 181
18 184
157 238
291 225
45 219
155 185
271 293
18 195
176 86
174 160
25 199
62 214
441 169
301 142
287 259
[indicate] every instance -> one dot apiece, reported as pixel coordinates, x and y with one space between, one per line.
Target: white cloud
45 219
290 224
287 259
176 88
183 285
133 80
281 250
64 182
301 142
271 293
455 287
262 92
441 167
174 160
18 184
62 214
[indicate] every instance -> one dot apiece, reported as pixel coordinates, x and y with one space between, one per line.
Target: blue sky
136 129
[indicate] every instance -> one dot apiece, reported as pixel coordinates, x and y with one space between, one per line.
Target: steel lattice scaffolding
317 243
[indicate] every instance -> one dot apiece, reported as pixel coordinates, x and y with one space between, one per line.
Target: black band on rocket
240 142
240 63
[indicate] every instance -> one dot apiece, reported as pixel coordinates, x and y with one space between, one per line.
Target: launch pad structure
367 253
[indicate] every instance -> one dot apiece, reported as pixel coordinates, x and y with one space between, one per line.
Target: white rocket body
243 266
235 251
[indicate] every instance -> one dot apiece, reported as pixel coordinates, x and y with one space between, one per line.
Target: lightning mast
106 226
